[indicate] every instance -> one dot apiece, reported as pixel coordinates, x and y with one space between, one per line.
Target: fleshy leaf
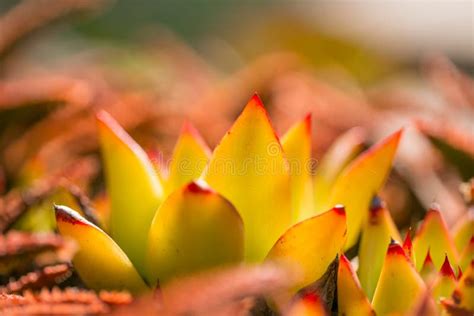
351 299
297 146
433 234
360 181
312 244
248 168
463 231
467 255
428 269
408 246
445 282
308 305
376 235
190 157
337 157
99 261
194 229
463 295
399 285
133 187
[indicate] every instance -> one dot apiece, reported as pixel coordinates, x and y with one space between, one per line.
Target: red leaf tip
407 243
428 259
197 188
339 209
395 249
446 269
256 99
343 260
65 214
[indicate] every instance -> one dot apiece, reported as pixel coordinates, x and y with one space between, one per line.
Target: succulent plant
255 200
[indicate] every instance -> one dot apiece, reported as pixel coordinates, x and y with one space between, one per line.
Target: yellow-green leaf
399 286
433 235
428 270
190 157
194 229
99 261
312 244
248 168
376 235
360 181
133 187
463 230
351 299
444 283
297 147
337 157
467 255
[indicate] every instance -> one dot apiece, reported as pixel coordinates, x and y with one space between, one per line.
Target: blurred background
379 65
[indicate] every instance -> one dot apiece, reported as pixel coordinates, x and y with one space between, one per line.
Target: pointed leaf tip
194 187
249 168
446 269
257 100
132 185
65 214
395 249
360 180
339 209
428 259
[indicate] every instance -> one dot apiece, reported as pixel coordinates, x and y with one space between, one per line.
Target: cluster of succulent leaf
255 199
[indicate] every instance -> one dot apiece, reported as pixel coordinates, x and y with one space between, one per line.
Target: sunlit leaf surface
433 235
399 285
297 146
428 270
444 283
312 245
467 255
360 181
195 229
190 156
351 299
463 231
133 187
376 235
248 168
99 261
336 158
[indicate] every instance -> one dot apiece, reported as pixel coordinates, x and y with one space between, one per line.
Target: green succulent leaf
311 245
194 229
337 157
99 261
133 187
376 235
297 147
190 157
433 235
399 287
248 168
360 181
